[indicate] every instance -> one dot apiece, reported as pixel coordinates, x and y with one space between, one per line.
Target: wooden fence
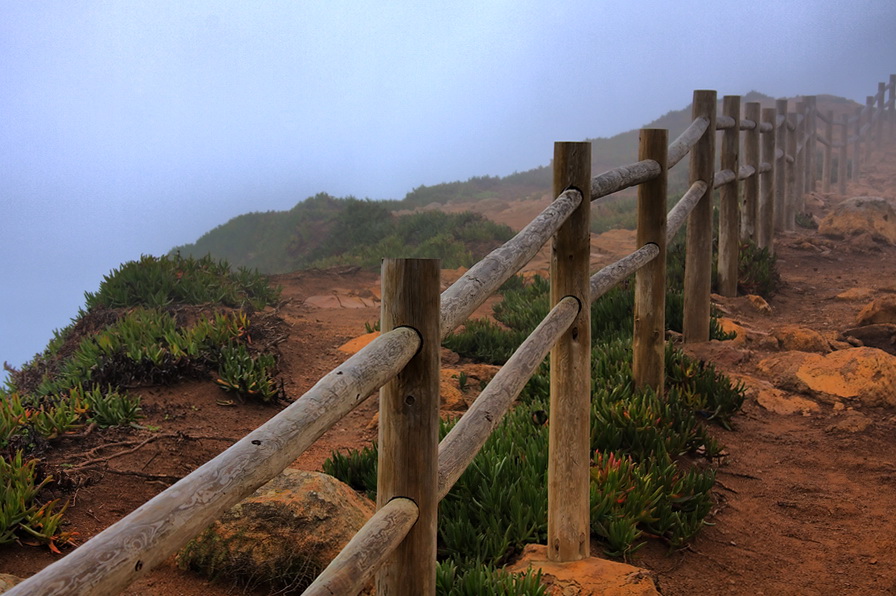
777 165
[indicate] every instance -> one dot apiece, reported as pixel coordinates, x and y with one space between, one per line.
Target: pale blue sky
131 127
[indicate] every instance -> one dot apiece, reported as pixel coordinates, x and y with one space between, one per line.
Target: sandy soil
805 500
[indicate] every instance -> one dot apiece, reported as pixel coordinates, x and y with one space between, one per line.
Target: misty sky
128 127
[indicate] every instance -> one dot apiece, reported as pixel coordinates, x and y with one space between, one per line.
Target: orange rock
759 303
881 310
588 576
794 337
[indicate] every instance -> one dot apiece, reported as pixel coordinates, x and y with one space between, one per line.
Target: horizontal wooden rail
745 172
612 274
746 124
464 441
723 177
110 561
681 145
765 167
354 566
679 213
623 177
766 127
725 122
485 277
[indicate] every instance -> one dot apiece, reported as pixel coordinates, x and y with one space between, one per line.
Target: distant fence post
843 164
570 403
811 136
649 337
857 145
881 114
766 210
891 107
729 199
698 258
826 172
800 164
790 200
409 425
869 106
750 224
781 167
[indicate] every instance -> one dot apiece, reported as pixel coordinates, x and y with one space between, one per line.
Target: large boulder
880 310
283 535
874 217
867 375
794 337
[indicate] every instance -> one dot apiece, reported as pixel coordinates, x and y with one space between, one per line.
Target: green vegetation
152 321
650 470
324 231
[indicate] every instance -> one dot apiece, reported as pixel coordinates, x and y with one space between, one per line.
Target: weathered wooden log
881 106
113 559
791 167
827 158
569 530
408 459
844 155
623 177
729 199
485 277
766 210
612 274
811 135
682 145
698 257
726 122
354 567
748 173
781 144
649 334
463 442
682 209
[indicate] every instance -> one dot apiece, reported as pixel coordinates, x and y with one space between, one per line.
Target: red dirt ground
805 502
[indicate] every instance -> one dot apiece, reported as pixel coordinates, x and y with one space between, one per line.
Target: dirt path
804 501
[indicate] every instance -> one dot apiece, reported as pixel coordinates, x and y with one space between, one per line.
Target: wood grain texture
623 177
409 425
682 145
766 209
569 433
698 256
750 203
781 145
729 200
649 334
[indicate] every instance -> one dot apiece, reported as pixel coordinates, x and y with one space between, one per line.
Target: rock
759 303
794 337
731 326
285 533
852 422
881 336
775 400
588 576
7 581
855 294
872 217
881 310
867 375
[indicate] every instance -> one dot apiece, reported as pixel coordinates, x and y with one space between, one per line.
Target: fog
128 128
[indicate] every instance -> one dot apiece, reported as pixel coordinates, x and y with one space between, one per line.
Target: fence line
113 559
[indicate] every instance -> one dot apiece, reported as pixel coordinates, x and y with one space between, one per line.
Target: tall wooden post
790 201
781 167
826 173
649 340
800 164
857 156
766 217
409 425
811 136
869 105
842 165
750 224
698 258
881 114
729 198
569 435
891 107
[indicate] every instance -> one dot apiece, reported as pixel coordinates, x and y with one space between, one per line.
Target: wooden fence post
729 201
409 424
800 167
891 107
750 225
843 164
569 434
791 167
698 258
881 114
869 105
811 135
766 217
649 338
826 172
857 145
781 167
